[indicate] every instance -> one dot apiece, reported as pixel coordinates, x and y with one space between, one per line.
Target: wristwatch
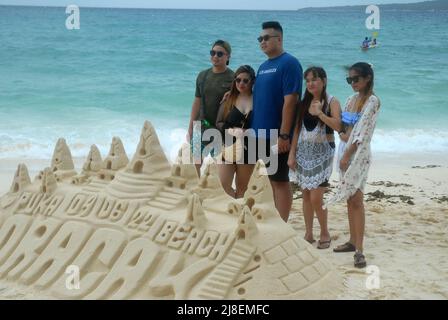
284 136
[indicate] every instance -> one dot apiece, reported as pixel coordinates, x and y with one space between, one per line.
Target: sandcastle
145 229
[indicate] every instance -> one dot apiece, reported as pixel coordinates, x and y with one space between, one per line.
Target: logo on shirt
273 70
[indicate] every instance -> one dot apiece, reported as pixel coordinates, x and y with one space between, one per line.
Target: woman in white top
355 156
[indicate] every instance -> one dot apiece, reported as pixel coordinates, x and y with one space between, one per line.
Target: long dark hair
365 70
230 102
304 105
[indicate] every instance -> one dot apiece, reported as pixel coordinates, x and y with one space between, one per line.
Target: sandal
360 260
309 241
346 247
323 244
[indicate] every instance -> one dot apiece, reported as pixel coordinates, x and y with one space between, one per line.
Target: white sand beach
406 229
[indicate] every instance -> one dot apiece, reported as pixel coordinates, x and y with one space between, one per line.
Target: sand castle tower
195 212
91 167
115 160
176 187
259 196
62 163
149 157
209 185
48 181
247 226
183 171
21 179
144 176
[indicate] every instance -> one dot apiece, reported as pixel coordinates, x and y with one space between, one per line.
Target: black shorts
282 172
325 184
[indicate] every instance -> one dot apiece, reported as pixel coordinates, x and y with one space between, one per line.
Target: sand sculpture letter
58 254
95 261
127 274
31 246
176 280
11 233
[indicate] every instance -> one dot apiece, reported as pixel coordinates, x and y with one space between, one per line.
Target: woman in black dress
233 119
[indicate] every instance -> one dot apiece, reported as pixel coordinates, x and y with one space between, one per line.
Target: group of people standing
271 99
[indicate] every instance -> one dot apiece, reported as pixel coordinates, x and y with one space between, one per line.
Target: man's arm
195 108
288 116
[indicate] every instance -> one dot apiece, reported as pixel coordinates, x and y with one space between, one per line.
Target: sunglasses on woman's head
354 79
219 54
245 81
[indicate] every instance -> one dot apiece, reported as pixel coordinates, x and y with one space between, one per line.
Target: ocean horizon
125 66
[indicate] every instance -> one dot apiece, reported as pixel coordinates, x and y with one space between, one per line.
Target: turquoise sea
127 65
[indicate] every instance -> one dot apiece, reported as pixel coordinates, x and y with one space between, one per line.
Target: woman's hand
283 145
225 97
316 107
236 132
343 136
344 164
292 162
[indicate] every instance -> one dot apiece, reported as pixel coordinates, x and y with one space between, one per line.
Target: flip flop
346 247
323 244
360 260
310 241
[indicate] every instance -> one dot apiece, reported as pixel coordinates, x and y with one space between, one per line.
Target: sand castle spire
184 161
210 177
209 185
48 183
21 179
259 196
195 213
62 163
93 162
183 171
115 160
91 167
62 157
149 157
247 226
259 187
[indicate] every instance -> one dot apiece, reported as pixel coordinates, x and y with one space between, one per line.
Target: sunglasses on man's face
354 79
219 54
266 37
245 81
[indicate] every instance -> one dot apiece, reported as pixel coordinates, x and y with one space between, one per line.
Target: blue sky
205 4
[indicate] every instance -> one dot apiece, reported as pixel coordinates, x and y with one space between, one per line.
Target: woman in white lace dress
360 115
312 150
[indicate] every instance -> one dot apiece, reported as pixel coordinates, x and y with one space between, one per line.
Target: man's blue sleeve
292 78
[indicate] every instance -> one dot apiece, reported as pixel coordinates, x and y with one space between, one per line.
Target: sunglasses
266 37
219 54
245 81
354 79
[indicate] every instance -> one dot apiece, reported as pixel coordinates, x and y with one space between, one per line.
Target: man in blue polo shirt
277 90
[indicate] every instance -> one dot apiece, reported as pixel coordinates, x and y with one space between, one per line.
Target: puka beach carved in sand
146 229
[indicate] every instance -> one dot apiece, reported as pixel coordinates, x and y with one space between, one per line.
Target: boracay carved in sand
145 229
